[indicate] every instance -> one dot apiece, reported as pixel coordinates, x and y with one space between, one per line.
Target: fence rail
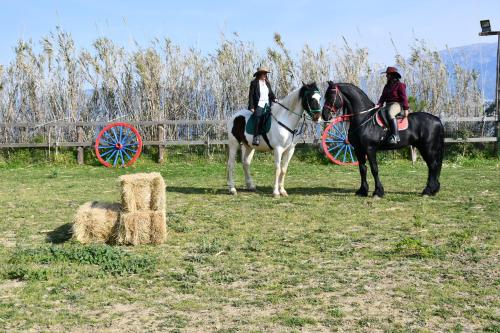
157 133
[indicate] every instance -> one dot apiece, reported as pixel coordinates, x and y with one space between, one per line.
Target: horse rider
394 95
260 98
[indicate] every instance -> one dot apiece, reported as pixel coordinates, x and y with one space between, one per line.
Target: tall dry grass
53 80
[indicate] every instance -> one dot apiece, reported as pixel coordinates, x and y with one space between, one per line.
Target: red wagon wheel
118 144
336 144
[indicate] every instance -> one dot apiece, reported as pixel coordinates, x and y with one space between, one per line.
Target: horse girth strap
294 132
266 140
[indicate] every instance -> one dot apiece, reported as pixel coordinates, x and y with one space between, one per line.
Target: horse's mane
296 94
291 98
354 92
304 87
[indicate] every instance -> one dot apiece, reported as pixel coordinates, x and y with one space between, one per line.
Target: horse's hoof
426 193
251 188
361 194
276 195
233 191
283 193
376 197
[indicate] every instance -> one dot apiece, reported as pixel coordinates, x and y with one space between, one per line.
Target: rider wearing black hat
260 98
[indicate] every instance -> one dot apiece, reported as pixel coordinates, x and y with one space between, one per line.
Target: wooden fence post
161 146
49 140
24 134
79 135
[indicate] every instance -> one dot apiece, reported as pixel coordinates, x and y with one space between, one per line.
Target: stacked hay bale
140 219
143 218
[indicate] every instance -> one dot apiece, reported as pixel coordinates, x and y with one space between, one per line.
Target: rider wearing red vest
394 95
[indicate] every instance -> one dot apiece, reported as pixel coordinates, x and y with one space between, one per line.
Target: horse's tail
440 143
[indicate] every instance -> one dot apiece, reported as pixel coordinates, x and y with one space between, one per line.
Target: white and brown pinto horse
286 115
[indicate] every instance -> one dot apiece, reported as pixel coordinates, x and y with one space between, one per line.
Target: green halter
309 110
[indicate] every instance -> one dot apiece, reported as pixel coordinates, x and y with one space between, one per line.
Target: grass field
320 260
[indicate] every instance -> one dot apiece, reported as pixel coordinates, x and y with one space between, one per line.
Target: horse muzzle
326 113
316 117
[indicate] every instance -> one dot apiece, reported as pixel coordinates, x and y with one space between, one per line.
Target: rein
347 116
333 109
298 130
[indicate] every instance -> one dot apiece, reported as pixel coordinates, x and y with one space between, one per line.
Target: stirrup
394 139
256 140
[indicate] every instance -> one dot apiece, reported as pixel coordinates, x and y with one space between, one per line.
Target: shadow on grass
291 190
262 190
60 234
196 190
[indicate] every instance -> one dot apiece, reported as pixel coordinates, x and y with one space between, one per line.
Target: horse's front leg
278 153
363 189
287 156
372 158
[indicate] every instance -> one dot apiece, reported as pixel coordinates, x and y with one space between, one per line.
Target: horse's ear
303 83
330 83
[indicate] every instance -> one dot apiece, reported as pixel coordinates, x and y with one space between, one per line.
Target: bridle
308 109
310 112
334 110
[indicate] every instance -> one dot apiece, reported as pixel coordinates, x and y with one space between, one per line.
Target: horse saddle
382 119
264 125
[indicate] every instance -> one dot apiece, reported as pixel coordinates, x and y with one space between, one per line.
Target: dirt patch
8 239
10 285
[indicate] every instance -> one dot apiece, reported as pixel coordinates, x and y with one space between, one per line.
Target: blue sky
189 23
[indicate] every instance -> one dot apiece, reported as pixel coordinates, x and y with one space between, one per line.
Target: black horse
425 132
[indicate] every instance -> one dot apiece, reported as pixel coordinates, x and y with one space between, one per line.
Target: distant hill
480 57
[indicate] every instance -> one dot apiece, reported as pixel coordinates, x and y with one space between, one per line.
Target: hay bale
94 222
136 192
158 233
158 193
133 228
141 228
142 192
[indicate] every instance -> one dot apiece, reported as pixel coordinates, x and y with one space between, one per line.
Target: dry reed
164 81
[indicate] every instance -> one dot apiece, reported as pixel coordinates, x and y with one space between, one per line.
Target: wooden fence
84 134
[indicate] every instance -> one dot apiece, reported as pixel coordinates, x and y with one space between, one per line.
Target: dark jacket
394 92
254 94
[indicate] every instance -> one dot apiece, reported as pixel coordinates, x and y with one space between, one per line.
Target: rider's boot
256 136
393 124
